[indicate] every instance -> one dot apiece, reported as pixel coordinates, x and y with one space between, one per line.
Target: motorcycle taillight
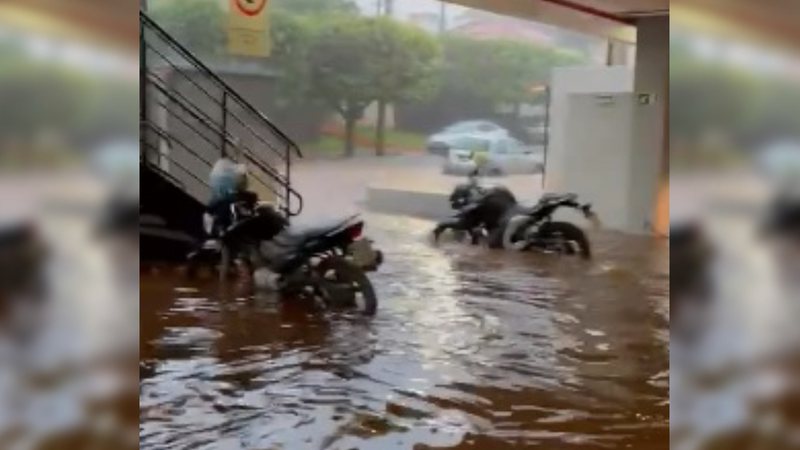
355 231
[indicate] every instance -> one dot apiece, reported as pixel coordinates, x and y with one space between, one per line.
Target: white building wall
616 154
650 198
565 82
606 163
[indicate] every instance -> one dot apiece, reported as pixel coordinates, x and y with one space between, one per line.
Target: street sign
248 30
250 8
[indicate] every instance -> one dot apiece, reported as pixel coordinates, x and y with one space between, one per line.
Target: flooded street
470 349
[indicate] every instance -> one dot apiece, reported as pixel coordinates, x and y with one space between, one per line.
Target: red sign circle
250 7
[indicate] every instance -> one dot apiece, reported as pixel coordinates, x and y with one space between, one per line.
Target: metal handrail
280 182
178 99
221 104
222 84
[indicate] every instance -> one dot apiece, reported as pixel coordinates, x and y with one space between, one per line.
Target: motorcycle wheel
573 237
343 283
512 239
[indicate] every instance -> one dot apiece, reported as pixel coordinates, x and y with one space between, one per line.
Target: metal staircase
190 117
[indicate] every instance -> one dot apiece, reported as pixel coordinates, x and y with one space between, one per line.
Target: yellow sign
248 30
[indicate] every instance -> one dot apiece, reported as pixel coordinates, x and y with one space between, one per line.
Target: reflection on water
470 349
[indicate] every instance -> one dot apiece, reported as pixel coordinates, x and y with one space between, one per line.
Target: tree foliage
499 71
405 62
292 37
197 24
355 61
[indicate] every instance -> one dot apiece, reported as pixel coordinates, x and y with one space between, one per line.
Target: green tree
500 71
199 25
405 63
292 37
340 73
355 61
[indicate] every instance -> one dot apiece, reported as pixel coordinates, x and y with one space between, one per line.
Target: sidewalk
341 186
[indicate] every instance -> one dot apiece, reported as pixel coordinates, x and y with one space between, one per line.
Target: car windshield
507 146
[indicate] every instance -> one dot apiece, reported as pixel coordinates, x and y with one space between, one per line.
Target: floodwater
470 349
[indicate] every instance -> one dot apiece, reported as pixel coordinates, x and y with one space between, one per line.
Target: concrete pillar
651 142
565 82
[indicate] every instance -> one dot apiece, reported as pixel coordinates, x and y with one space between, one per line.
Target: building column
650 186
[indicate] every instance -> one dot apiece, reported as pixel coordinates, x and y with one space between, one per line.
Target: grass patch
396 142
326 145
396 139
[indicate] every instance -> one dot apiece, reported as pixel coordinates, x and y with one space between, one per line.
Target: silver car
441 142
501 154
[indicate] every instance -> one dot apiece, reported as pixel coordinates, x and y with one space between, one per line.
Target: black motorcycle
326 263
494 213
534 227
479 210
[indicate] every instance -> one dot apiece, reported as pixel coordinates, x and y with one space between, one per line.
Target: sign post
248 30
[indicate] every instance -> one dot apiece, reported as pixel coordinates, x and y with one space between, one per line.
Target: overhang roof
613 19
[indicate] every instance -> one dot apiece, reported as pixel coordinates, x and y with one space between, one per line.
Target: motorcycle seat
295 234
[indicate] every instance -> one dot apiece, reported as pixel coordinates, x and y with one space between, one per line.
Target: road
470 349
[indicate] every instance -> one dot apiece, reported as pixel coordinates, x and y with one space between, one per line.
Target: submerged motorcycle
479 210
495 214
326 263
534 227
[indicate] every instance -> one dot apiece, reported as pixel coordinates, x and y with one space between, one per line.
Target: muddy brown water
470 349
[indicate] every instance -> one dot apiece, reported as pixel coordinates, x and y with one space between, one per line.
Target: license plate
363 254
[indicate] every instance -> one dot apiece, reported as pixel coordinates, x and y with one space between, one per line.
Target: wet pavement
470 348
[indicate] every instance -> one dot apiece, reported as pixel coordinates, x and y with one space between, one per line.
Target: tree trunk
349 137
380 129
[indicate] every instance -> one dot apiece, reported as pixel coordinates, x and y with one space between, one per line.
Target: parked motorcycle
327 263
534 227
479 210
495 214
